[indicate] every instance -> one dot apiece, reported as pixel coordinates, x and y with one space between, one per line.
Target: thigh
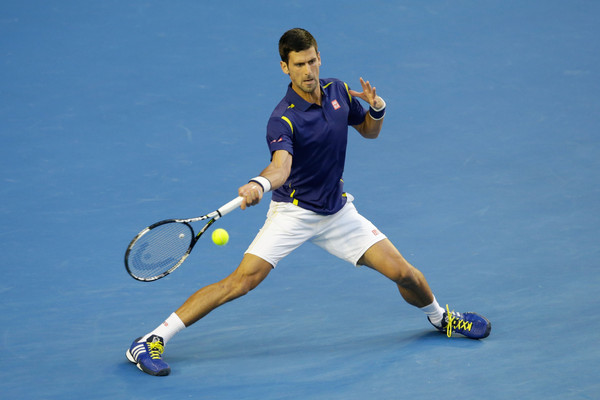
348 235
384 258
286 228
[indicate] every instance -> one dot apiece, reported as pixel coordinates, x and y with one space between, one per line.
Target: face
303 69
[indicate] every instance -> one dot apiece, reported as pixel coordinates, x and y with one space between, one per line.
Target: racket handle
229 207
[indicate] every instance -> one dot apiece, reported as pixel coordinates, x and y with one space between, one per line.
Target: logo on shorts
335 105
375 232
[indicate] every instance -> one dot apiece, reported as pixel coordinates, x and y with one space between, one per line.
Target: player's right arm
276 172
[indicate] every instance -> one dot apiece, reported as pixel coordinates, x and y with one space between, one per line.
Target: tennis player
307 136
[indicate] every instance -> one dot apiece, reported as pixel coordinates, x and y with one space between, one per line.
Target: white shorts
345 234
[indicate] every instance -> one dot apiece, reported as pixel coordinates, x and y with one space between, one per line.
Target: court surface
114 115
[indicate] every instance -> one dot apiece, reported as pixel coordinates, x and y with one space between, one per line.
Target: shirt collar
298 102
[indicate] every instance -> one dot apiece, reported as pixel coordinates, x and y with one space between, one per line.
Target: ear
284 68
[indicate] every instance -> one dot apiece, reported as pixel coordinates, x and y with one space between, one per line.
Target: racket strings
159 250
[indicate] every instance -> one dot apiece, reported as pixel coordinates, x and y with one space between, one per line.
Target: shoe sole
164 372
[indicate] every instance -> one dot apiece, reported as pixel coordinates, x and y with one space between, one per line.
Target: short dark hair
296 39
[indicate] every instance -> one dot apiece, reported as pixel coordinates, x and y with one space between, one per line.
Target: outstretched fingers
369 93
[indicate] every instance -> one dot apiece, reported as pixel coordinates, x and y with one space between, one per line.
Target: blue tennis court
114 115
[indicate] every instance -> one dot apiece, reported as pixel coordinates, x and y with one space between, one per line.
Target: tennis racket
162 247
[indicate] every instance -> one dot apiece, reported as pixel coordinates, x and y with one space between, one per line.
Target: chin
310 89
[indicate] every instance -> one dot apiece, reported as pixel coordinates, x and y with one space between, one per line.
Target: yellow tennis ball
220 237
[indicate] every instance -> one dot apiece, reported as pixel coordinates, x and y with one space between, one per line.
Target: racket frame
212 217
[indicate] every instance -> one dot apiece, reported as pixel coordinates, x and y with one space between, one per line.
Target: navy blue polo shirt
316 136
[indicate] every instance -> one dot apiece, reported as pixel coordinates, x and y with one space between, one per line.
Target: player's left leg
351 237
386 259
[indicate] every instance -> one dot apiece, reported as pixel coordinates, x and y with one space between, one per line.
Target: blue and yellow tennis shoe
147 355
469 324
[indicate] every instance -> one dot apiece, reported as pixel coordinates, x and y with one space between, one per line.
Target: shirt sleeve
279 135
357 113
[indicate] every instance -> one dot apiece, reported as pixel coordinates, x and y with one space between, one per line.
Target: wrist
378 112
263 182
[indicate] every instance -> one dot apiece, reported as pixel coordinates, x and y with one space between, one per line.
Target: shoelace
156 349
460 323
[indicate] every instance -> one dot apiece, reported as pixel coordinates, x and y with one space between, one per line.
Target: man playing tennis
307 136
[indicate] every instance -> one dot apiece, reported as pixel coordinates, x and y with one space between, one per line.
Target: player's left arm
370 127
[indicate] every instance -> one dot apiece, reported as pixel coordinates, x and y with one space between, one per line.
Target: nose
307 69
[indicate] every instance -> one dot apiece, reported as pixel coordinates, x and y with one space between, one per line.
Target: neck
312 97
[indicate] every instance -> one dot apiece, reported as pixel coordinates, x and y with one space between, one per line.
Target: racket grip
229 207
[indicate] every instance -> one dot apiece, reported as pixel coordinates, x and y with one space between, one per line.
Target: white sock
434 312
167 329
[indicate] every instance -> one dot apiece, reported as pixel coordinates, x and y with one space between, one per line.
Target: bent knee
240 284
406 278
402 273
237 287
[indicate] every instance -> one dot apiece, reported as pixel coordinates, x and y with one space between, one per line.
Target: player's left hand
369 94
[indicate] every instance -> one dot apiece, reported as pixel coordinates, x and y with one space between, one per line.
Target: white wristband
263 182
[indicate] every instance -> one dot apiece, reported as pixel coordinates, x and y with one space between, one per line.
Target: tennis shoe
469 324
147 355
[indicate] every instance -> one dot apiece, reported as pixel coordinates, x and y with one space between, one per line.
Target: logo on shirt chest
336 105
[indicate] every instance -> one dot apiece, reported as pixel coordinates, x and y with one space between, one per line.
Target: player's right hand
252 193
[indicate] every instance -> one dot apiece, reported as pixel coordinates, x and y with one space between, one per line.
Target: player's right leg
287 227
248 275
146 351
